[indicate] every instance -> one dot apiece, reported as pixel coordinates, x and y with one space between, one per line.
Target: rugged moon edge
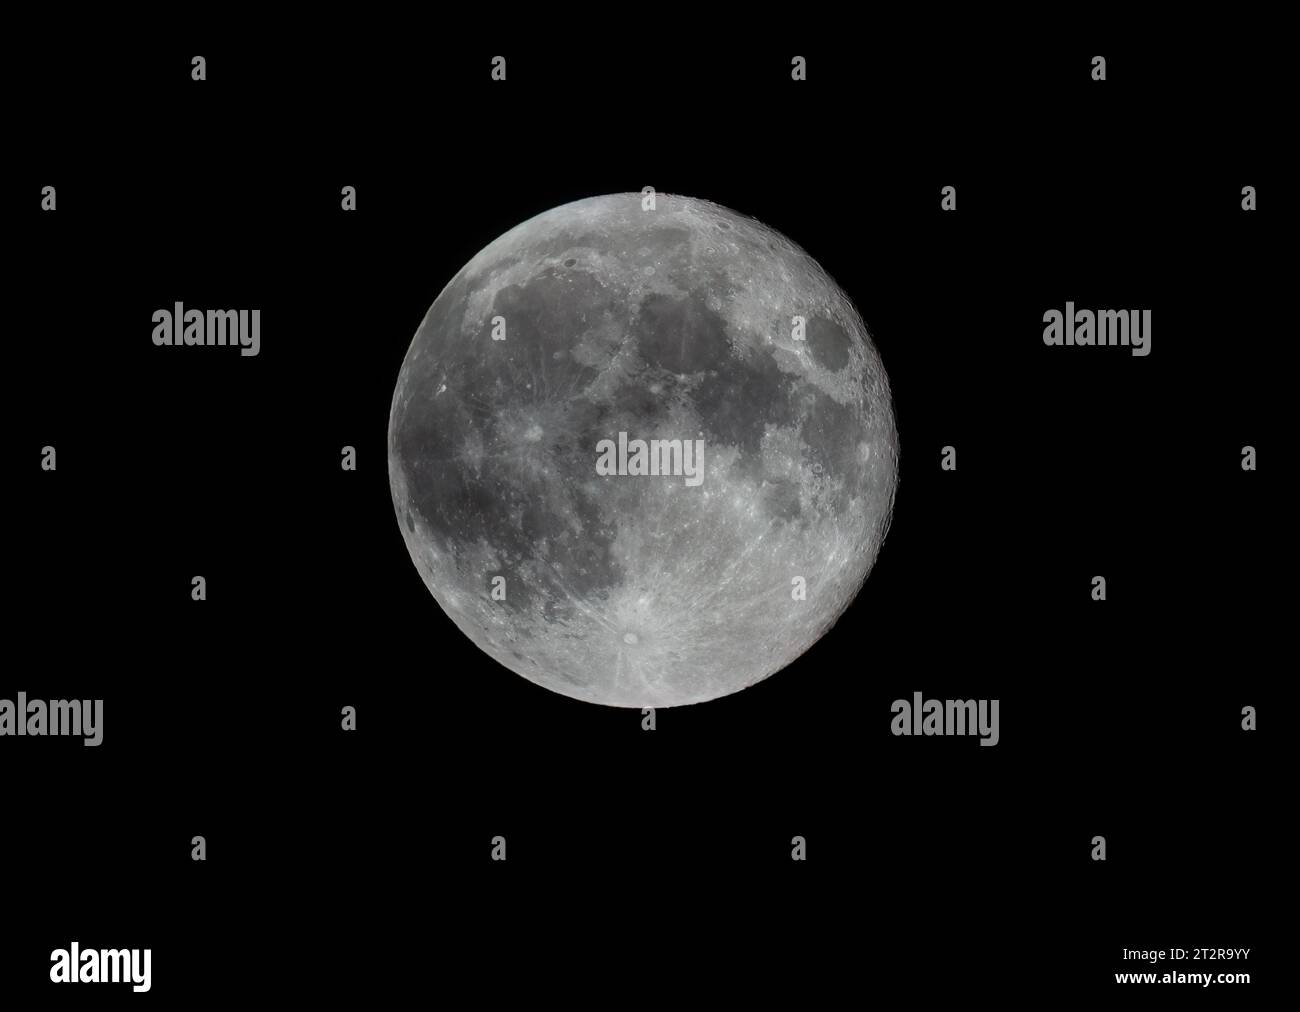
643 451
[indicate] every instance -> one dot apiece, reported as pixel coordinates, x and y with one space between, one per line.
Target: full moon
642 450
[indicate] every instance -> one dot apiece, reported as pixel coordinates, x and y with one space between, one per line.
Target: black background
358 864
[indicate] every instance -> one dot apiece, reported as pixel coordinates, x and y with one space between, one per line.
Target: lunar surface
676 323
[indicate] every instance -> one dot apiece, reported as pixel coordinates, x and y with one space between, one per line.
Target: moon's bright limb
672 323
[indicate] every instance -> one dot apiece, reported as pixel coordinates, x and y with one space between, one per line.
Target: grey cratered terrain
675 324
